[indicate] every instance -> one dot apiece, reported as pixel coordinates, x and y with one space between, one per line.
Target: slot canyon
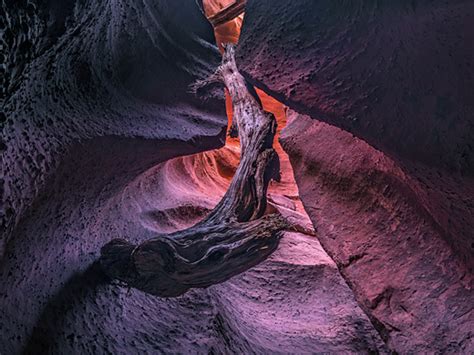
123 126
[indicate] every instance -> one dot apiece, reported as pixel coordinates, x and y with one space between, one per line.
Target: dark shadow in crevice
76 290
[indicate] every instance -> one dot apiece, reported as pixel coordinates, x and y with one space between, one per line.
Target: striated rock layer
55 300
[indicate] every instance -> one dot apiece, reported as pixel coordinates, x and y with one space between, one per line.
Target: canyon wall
96 94
97 104
404 274
108 76
395 212
397 74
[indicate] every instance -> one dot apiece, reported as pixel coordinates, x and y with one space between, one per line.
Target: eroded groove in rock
369 219
91 104
233 237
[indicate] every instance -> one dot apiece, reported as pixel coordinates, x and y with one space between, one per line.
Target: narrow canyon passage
282 194
102 139
61 303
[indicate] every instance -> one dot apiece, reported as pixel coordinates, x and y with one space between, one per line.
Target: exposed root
234 236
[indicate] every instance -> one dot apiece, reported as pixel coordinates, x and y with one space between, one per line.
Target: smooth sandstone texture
416 290
296 301
397 220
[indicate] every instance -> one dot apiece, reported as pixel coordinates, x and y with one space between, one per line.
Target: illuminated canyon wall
101 139
398 220
398 76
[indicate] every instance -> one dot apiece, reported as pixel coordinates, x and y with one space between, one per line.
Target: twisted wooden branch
234 236
228 13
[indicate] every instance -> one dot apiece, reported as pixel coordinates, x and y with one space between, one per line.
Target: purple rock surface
101 139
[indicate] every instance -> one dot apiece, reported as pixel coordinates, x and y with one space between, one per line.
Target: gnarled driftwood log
234 236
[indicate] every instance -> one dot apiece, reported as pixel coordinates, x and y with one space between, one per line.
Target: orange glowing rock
229 32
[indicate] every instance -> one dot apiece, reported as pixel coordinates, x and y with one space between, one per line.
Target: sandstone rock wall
113 70
397 74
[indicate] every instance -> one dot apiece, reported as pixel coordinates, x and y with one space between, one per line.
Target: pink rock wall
397 74
414 287
397 220
97 97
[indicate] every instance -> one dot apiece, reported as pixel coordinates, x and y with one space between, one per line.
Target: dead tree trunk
234 236
228 13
